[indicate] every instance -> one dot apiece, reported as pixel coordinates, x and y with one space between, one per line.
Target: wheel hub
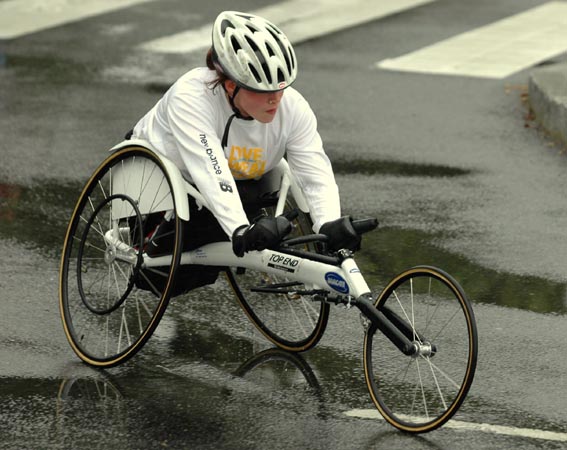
110 254
424 349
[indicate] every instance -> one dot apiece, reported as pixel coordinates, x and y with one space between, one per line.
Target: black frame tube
385 325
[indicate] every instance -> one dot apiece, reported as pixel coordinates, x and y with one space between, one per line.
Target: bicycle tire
292 322
110 303
420 393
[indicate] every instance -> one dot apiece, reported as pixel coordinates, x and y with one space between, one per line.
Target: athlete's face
262 106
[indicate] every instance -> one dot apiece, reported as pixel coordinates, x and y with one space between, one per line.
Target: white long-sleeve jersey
187 124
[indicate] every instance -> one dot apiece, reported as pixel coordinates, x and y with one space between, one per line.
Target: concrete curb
547 93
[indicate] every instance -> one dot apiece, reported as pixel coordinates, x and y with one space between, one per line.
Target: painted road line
481 427
299 19
21 17
496 50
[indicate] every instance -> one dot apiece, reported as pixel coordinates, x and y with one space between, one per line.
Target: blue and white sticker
337 282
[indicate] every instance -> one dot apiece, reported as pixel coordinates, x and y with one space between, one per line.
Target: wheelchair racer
235 120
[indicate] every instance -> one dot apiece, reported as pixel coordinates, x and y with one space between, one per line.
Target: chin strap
236 114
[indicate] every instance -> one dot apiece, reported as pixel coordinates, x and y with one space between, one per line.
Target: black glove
341 234
266 232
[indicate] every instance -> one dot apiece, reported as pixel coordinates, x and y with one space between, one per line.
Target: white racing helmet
253 52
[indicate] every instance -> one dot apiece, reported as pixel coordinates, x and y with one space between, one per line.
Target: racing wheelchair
420 342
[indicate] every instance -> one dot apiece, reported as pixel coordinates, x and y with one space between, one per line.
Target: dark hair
221 76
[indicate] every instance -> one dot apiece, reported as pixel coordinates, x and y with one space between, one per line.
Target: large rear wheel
111 298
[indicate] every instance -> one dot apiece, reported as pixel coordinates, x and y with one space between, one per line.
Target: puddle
48 68
157 88
387 252
199 399
376 166
37 216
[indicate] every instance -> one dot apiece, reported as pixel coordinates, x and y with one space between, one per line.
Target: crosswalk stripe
494 51
300 21
21 17
476 427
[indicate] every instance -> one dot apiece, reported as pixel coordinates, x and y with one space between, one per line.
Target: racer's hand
341 234
266 232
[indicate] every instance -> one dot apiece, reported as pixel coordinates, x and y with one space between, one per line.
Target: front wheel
421 392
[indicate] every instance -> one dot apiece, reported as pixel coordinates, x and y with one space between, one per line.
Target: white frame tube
345 279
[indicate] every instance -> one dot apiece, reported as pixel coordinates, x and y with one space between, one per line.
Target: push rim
111 253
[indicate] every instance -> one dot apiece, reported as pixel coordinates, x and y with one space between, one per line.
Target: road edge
547 97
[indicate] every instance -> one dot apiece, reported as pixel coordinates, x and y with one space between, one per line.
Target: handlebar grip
364 225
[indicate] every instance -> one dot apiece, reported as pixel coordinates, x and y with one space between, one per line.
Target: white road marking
21 17
299 20
496 50
482 427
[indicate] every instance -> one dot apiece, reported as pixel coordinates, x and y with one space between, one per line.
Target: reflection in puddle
91 404
141 405
89 389
148 407
279 369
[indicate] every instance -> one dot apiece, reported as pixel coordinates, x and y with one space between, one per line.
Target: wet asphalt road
457 175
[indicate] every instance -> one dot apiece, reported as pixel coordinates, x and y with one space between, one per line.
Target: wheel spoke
446 376
439 391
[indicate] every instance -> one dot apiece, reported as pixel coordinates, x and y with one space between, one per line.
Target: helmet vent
261 59
281 76
272 29
251 28
266 69
235 45
270 50
254 47
254 72
224 25
287 61
273 33
245 16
